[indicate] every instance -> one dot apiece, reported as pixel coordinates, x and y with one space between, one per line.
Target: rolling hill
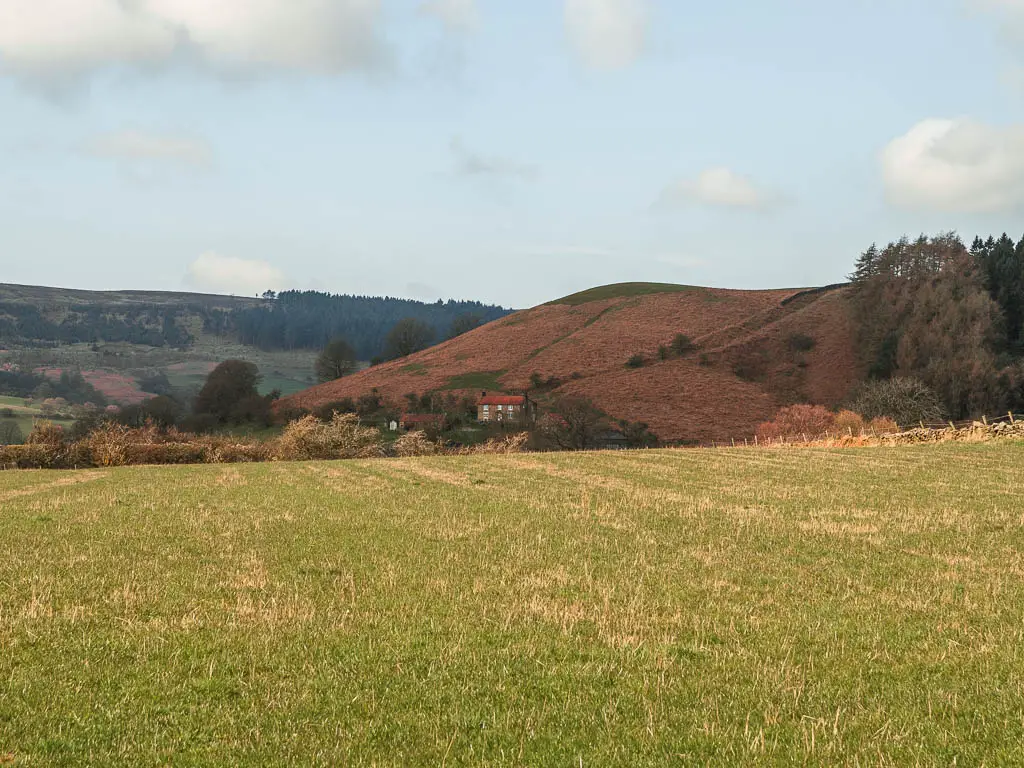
755 352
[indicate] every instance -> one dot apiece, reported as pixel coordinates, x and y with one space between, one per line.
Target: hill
755 352
125 341
679 607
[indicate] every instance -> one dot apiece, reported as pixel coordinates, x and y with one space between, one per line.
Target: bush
326 412
663 352
415 444
636 361
800 342
638 434
341 438
883 426
682 344
798 422
849 423
908 402
7 413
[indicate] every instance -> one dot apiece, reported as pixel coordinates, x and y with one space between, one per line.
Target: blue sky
506 151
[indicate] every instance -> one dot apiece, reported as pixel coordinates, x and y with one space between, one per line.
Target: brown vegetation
117 445
579 349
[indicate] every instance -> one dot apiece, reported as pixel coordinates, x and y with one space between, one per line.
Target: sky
499 150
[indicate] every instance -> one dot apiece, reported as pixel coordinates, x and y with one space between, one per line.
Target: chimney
483 394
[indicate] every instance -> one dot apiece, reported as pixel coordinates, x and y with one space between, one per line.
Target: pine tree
867 265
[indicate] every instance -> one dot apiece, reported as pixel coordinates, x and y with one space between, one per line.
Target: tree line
950 316
155 326
311 319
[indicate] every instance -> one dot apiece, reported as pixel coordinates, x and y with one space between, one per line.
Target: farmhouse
505 408
412 422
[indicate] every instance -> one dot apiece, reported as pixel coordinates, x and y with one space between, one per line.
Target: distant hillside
755 351
143 335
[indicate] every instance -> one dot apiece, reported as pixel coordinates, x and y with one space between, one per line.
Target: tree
464 324
638 434
337 359
923 311
10 433
408 337
908 402
230 385
574 424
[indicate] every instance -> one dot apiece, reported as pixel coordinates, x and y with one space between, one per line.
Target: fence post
1011 418
984 419
733 442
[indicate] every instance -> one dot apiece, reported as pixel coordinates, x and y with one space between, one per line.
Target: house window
487 411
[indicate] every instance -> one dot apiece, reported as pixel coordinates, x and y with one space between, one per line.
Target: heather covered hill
754 351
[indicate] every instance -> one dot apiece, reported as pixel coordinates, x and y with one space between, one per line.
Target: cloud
215 273
720 188
468 163
455 15
956 166
58 40
1011 13
138 147
607 34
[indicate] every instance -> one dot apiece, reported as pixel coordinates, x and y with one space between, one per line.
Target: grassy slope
605 609
623 290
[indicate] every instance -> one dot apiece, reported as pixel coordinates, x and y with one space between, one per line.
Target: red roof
503 400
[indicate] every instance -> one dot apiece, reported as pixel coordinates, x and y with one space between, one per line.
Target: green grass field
24 416
858 607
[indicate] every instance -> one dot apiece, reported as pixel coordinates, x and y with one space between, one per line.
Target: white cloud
136 146
607 34
48 40
956 166
469 163
721 188
456 15
215 273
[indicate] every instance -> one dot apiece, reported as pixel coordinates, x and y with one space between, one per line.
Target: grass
24 415
633 609
623 290
482 380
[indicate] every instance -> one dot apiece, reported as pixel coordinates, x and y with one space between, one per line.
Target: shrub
636 361
109 445
500 445
638 434
415 444
800 342
849 423
7 413
907 402
341 438
797 422
682 344
326 412
883 426
663 352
